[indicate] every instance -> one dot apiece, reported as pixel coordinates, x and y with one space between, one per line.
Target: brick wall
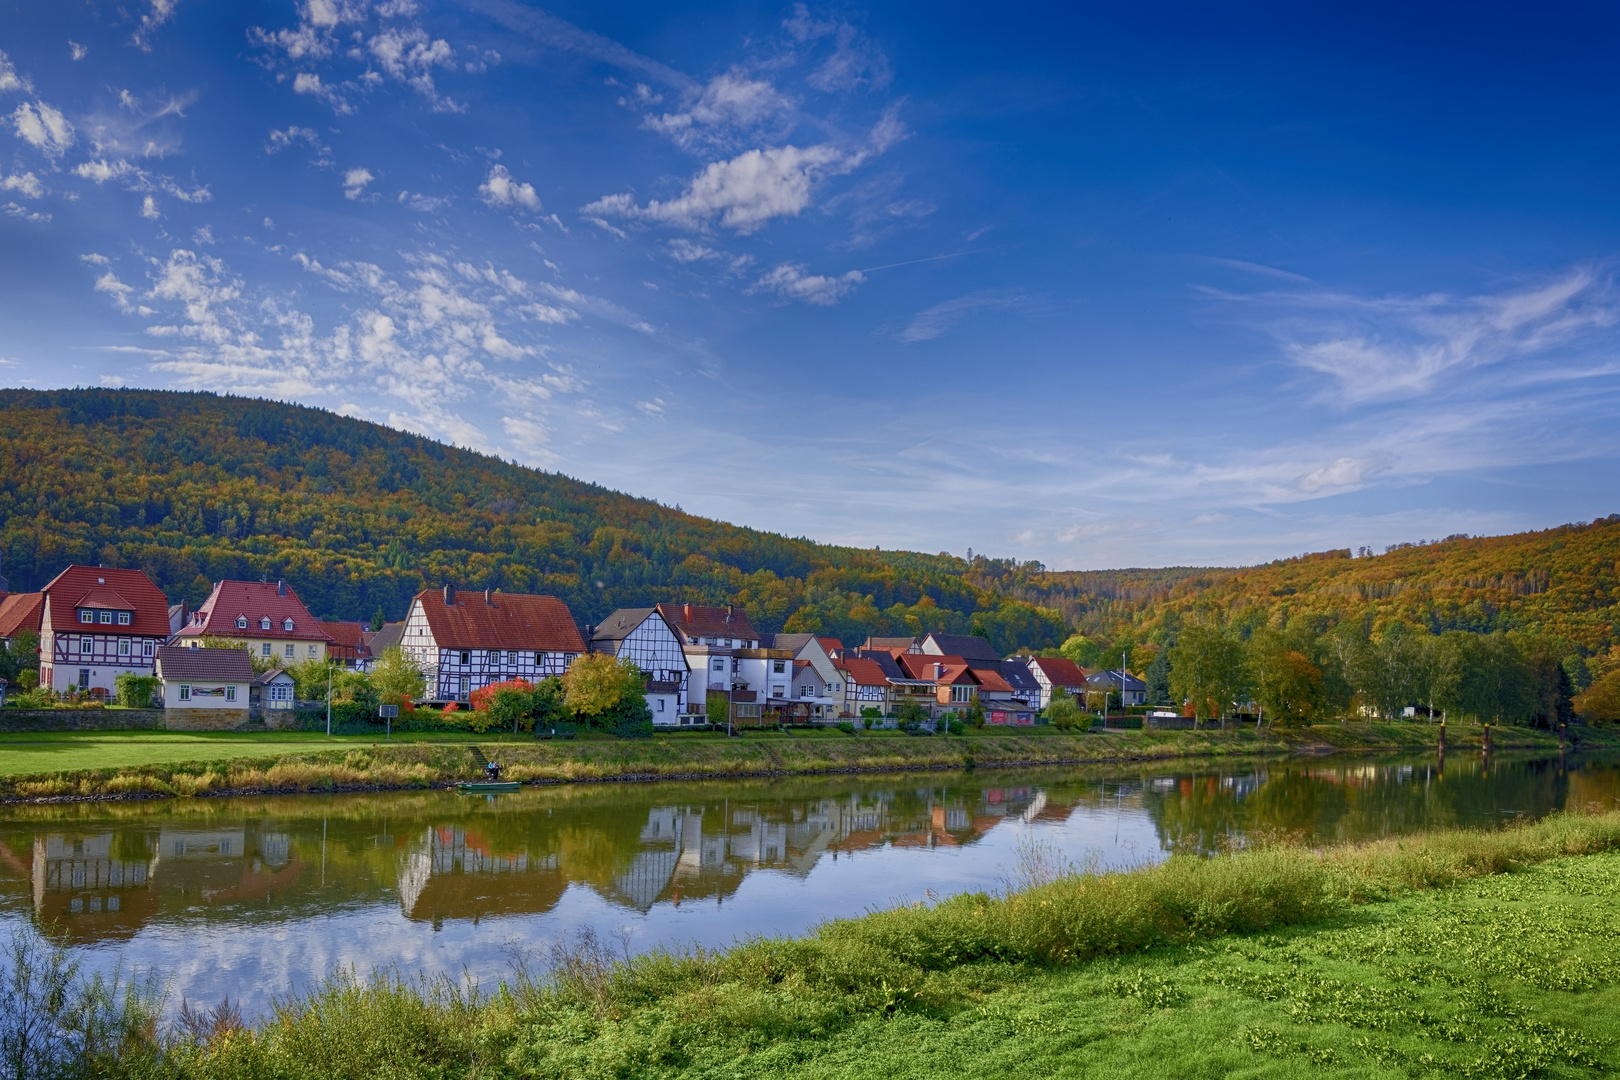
205 719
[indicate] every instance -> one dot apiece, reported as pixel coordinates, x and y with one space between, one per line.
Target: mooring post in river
1442 736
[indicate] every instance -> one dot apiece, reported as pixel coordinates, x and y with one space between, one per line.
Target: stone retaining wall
205 719
81 719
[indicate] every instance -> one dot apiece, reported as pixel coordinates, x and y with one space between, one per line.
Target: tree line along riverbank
136 765
1475 954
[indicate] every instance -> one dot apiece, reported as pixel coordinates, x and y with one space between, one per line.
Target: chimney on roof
281 588
939 671
729 609
487 601
449 597
686 612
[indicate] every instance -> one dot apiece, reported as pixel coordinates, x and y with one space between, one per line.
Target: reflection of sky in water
256 946
253 961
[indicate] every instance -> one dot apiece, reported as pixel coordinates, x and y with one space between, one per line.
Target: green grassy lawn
26 753
1516 975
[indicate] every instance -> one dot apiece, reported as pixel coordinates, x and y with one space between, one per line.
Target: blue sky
1102 286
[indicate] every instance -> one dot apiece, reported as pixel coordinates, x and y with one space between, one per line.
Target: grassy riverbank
106 764
1471 954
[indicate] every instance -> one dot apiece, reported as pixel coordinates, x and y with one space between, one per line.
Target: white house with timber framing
466 640
641 636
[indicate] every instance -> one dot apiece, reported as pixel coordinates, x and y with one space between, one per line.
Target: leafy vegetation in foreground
1424 955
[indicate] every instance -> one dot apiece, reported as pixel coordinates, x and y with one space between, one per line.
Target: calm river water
254 898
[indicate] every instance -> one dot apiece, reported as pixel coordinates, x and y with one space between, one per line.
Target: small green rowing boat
486 787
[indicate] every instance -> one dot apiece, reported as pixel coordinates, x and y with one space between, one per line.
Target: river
256 898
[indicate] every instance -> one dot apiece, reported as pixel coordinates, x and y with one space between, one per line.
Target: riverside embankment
1455 952
141 764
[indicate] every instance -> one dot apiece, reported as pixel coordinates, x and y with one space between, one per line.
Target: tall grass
585 1009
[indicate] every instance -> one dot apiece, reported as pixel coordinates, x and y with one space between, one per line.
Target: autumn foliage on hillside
194 487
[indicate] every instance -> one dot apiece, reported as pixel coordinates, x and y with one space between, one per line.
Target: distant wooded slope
193 487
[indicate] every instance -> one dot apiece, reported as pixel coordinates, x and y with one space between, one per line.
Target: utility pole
328 707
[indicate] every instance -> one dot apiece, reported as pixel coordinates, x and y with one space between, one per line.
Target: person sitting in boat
492 771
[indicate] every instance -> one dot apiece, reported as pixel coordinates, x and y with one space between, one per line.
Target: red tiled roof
992 680
830 645
103 597
921 666
20 611
863 672
506 621
1060 671
138 595
693 620
254 599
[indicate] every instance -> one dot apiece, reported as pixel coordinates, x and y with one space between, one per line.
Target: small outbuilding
204 689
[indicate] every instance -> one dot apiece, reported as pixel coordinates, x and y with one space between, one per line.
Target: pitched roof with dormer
124 590
938 669
231 602
863 671
696 621
497 620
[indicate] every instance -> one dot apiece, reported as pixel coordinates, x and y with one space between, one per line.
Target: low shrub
846 727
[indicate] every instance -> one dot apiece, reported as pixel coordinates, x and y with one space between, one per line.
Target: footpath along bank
228 764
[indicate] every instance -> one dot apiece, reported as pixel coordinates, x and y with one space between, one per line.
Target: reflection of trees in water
438 856
1326 801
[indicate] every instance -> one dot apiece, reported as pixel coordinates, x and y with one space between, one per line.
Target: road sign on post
388 712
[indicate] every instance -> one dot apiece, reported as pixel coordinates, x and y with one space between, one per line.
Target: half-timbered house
466 640
1058 673
97 623
641 636
266 616
715 640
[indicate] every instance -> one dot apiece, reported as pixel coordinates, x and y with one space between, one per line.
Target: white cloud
1401 347
9 79
160 12
502 191
729 104
932 322
307 82
13 210
26 184
791 283
855 61
149 209
109 284
43 127
409 56
1345 474
355 181
425 204
79 52
282 139
744 193
102 171
686 251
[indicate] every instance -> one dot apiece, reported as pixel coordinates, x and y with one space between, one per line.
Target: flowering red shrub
449 706
485 694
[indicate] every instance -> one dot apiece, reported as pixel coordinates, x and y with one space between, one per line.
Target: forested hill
1563 581
193 487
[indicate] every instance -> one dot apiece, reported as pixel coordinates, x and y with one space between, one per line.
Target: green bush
137 691
958 728
846 727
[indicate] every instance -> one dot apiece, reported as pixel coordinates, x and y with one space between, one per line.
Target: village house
1057 672
817 684
1110 683
967 646
866 683
717 641
273 690
268 618
641 636
204 689
98 623
892 645
939 683
347 644
20 613
464 641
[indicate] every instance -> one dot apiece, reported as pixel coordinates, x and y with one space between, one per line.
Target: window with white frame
312 650
123 618
716 664
230 693
123 646
287 625
87 644
961 693
264 650
106 617
290 649
185 692
778 666
241 622
87 616
264 622
147 647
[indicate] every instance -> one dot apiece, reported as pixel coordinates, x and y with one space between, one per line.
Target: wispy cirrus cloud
942 318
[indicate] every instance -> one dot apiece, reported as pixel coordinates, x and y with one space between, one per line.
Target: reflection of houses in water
83 890
452 873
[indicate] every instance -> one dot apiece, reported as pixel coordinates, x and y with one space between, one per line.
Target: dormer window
264 622
241 622
87 616
106 617
123 618
287 625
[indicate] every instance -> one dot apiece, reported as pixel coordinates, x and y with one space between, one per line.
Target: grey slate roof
1018 676
791 642
967 646
178 662
387 637
619 625
1111 679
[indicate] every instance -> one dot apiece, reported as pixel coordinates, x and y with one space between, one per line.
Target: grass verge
1454 953
87 765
